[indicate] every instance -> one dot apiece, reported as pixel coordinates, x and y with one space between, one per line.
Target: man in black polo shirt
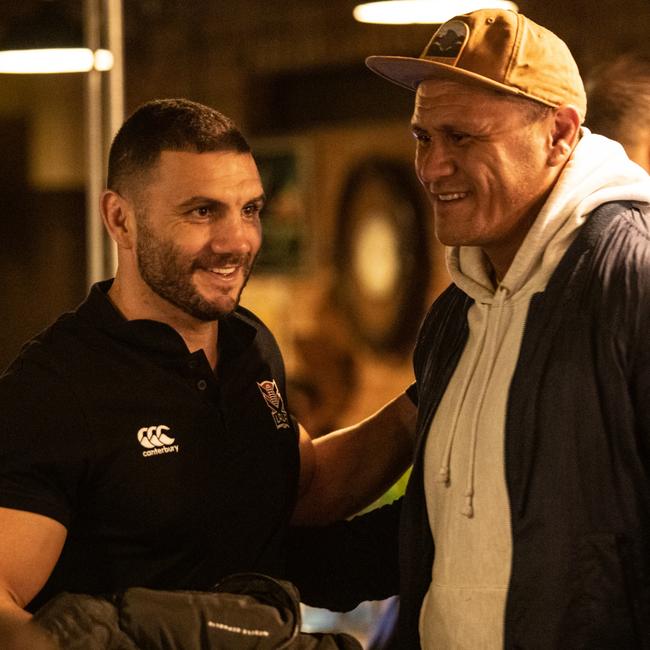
145 437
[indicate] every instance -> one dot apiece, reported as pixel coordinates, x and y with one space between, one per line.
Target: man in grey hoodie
526 522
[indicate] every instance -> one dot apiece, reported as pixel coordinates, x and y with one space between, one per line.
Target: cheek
490 180
530 178
191 248
255 237
509 176
418 165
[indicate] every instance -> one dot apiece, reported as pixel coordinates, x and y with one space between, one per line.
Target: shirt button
201 384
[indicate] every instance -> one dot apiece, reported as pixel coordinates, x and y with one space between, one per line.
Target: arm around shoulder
346 470
340 565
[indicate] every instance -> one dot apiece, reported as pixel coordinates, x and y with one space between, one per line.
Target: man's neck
197 334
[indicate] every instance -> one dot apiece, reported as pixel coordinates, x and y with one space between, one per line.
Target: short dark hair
533 110
618 97
168 125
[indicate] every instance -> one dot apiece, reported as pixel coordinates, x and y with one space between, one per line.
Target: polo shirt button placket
201 384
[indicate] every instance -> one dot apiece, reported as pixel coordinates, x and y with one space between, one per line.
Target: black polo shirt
164 474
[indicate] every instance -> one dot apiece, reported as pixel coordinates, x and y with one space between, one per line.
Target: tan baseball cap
497 48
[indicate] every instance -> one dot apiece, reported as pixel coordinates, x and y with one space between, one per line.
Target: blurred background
349 264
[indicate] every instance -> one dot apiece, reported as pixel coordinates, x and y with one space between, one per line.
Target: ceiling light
50 60
48 41
402 12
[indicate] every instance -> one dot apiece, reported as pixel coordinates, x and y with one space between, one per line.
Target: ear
118 217
564 135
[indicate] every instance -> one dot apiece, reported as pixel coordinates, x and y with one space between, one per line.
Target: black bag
248 611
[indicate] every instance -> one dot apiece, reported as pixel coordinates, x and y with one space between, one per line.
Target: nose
434 161
232 235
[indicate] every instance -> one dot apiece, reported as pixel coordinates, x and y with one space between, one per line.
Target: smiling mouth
227 268
451 196
225 272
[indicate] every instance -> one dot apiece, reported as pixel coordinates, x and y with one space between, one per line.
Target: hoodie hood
598 171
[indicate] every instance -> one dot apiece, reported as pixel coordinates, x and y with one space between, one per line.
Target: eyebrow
444 128
416 128
215 203
258 199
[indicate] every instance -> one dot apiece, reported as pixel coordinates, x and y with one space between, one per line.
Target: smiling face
198 231
484 164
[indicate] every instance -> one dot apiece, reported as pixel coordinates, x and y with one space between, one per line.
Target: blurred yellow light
403 12
103 60
54 60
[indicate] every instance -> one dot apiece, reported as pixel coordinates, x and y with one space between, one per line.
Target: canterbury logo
156 441
273 399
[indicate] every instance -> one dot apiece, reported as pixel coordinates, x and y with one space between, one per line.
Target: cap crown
498 48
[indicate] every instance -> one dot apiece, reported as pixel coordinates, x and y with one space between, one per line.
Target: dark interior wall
300 100
42 262
276 66
42 252
595 31
283 65
42 244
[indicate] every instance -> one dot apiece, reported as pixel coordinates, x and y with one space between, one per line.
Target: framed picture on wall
382 253
284 166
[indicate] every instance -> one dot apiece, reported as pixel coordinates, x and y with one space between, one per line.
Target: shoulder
619 225
246 319
445 311
44 351
41 410
620 233
613 243
41 383
247 316
637 216
611 272
443 330
254 334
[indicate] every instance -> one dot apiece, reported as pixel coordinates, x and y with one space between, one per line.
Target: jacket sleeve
340 565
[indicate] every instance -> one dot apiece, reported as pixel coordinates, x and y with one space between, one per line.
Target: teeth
451 196
224 271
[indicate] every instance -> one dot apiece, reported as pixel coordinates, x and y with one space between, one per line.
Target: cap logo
448 41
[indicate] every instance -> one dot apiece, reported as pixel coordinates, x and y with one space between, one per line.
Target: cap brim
404 71
408 72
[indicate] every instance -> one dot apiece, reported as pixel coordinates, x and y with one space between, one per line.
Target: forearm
18 632
356 465
340 565
31 544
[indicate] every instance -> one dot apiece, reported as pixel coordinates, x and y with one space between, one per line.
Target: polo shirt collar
159 339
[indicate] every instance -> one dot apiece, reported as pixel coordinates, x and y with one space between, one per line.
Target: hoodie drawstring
443 473
468 509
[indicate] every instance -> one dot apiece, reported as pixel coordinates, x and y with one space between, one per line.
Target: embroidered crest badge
274 401
448 40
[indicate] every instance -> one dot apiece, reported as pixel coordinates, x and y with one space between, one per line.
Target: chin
225 306
451 240
451 237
